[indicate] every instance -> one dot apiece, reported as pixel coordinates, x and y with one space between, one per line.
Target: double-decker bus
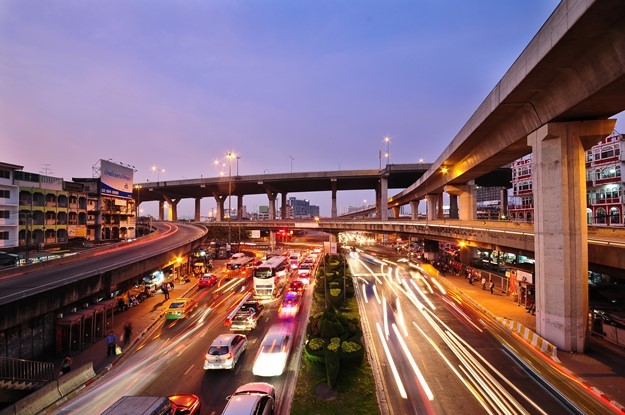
238 261
271 276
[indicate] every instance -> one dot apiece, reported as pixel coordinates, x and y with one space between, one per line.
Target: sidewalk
142 317
601 367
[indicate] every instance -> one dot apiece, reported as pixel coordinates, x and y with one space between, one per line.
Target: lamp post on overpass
230 155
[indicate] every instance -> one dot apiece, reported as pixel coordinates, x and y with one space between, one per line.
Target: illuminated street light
230 155
387 140
158 171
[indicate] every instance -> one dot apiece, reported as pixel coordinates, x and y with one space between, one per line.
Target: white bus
238 261
271 276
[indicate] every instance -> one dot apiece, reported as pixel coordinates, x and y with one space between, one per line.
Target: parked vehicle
257 398
225 351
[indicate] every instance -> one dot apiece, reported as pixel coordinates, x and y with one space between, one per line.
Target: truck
246 317
140 405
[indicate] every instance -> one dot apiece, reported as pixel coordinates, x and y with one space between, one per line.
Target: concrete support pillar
378 214
174 210
439 205
239 206
333 212
414 209
161 210
430 206
196 213
503 203
384 197
395 211
453 206
219 206
285 210
467 253
272 240
560 230
271 197
468 200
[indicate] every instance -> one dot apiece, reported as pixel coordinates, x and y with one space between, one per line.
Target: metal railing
26 370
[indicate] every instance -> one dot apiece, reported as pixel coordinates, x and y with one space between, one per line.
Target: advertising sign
115 180
255 234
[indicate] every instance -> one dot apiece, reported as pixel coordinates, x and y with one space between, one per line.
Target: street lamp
387 140
158 171
291 157
230 155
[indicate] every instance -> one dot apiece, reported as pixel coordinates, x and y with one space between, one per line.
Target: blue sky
178 84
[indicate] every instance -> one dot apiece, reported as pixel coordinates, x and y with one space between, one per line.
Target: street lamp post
230 155
158 171
387 140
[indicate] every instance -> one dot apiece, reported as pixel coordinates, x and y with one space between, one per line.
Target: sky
285 85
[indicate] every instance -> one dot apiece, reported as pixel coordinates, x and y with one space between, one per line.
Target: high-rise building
605 203
301 209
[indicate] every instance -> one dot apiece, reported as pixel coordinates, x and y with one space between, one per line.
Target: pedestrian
66 366
492 286
111 342
483 283
127 333
165 290
470 278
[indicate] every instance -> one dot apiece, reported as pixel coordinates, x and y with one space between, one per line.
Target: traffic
225 337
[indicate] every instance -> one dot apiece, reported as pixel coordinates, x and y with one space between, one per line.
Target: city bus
238 261
271 276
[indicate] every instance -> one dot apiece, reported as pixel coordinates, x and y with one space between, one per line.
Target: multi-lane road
439 355
169 359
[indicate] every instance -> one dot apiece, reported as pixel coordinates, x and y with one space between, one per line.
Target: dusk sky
178 84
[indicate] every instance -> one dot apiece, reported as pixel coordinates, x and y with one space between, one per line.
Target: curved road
26 281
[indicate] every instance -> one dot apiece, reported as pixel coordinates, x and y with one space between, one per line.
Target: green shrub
335 292
352 353
316 344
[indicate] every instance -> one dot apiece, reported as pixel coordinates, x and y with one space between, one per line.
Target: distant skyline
286 86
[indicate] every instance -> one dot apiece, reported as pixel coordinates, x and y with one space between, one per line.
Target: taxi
180 308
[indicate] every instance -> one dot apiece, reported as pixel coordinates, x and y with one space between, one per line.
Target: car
185 404
180 308
290 305
296 286
225 351
256 398
273 353
207 280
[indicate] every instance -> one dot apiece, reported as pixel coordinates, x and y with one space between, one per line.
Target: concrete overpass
392 176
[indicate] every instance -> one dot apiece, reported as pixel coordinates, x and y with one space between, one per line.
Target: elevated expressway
606 246
28 294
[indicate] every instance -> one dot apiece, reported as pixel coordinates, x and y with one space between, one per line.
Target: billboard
115 180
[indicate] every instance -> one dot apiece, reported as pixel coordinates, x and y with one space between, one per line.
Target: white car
225 351
256 398
273 353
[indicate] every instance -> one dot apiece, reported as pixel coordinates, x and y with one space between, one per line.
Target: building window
610 172
5 174
615 215
6 194
4 214
589 156
607 152
601 215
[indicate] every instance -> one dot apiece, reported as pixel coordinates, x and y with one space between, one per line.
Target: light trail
413 364
389 357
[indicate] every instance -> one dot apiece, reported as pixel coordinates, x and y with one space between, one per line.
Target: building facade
9 206
604 185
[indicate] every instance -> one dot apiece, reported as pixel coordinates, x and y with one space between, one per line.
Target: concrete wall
54 391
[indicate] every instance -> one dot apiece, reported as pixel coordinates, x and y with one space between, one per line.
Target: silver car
225 351
256 398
